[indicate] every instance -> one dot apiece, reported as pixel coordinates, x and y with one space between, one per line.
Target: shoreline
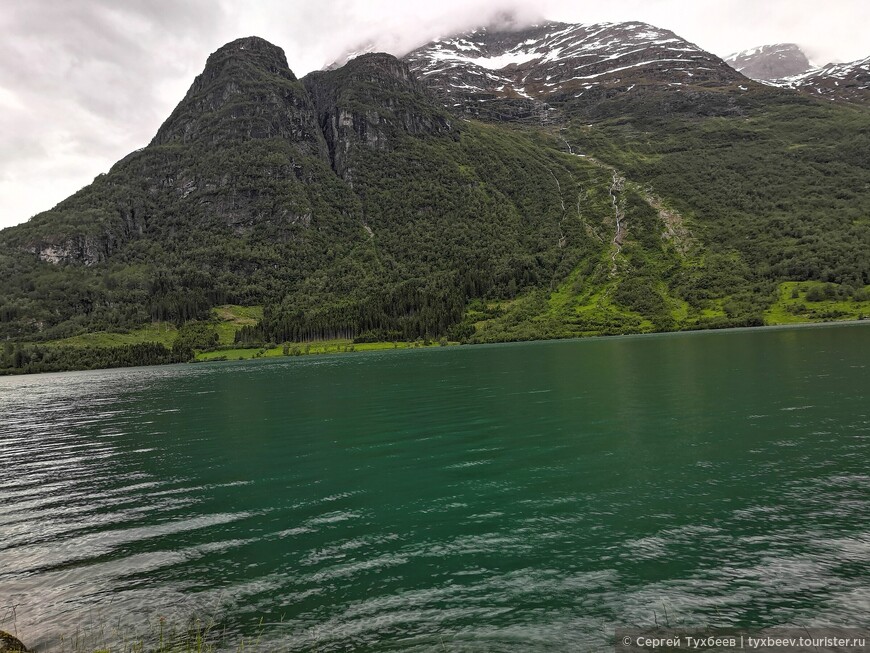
365 348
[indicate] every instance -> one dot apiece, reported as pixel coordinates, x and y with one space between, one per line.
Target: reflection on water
510 497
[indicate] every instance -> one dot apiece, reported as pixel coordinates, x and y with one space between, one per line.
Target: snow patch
504 60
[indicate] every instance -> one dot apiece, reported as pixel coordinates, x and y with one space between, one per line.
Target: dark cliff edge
371 101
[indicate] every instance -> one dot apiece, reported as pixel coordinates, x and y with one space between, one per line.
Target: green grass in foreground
159 637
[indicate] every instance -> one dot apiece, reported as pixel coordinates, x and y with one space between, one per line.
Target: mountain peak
377 60
766 63
513 74
246 90
251 51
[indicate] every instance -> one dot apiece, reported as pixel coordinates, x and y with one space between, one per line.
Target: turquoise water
509 497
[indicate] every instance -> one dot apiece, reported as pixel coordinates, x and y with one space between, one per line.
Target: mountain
767 63
552 181
785 65
520 75
845 82
348 203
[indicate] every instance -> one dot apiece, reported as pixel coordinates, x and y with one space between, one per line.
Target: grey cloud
83 84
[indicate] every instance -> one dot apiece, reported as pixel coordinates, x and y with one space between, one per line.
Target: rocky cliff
371 101
246 91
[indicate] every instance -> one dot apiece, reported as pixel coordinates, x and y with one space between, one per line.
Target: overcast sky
84 82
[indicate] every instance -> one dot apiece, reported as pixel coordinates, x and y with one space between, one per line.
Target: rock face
79 248
371 101
11 644
246 91
768 63
518 75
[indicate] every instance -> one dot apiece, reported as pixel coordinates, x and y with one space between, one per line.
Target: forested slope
355 204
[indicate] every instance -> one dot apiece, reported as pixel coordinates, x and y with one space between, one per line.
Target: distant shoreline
332 348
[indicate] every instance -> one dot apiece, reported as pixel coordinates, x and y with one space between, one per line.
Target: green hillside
354 209
723 215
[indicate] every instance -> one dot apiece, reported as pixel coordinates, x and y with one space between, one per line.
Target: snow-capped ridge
553 58
848 81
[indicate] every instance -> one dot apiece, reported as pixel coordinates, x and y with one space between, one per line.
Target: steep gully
616 187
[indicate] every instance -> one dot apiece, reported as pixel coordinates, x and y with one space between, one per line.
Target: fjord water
508 497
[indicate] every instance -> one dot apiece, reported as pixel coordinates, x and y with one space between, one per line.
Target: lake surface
509 497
